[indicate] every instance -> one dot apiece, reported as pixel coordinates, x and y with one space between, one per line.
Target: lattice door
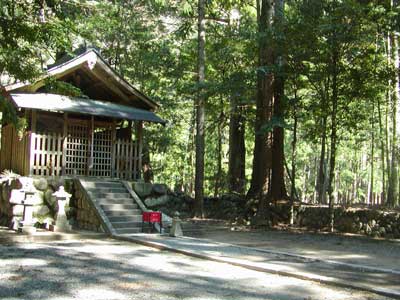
102 148
77 149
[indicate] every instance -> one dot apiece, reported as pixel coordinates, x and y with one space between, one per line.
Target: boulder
5 193
55 184
372 223
367 229
143 189
41 211
382 231
26 183
15 184
49 198
40 184
160 189
157 201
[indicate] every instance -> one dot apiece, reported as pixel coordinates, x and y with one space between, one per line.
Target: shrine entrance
89 148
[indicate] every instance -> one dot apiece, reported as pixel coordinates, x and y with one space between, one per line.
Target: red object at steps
151 216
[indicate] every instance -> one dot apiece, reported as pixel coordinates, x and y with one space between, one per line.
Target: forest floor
346 248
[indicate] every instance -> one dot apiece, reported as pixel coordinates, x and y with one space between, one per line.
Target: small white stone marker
176 229
26 225
62 224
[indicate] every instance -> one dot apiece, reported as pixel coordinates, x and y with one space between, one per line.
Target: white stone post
62 198
176 229
27 225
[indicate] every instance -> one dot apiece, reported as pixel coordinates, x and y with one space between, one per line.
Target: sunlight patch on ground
98 293
25 262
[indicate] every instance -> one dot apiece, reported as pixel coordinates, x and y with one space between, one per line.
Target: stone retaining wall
366 221
86 217
45 207
80 214
371 222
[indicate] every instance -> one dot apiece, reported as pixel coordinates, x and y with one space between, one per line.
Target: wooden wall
84 148
46 151
14 153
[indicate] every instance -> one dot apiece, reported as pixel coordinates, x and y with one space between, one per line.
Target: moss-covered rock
40 184
143 189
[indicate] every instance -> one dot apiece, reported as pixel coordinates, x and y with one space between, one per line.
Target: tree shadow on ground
115 270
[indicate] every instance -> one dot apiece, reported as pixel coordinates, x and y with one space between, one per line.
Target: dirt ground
343 248
114 270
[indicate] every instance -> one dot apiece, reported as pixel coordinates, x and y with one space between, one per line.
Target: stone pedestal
27 225
176 229
62 224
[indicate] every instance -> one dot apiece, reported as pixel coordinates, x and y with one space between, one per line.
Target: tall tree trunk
333 136
218 173
200 113
278 188
393 190
262 145
321 172
237 150
294 144
372 155
382 144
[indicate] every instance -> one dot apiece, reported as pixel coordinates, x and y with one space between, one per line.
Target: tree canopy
299 99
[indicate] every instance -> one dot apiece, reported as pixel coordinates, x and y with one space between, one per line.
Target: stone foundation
371 222
44 209
86 217
79 213
366 221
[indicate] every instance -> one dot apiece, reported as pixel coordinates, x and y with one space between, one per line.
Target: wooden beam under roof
107 82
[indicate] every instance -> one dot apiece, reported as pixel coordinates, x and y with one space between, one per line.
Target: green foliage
274 122
153 45
55 86
9 115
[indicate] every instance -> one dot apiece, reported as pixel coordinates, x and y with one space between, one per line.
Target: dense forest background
295 99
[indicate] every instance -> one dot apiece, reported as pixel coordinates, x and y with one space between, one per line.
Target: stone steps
103 184
116 201
110 195
120 225
107 190
130 218
121 210
119 213
112 207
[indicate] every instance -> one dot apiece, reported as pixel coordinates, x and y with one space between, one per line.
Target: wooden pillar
64 150
139 141
113 141
32 139
91 146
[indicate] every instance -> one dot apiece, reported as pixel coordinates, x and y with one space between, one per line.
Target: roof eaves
129 86
74 62
91 61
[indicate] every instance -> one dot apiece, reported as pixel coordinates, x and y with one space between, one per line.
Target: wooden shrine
99 134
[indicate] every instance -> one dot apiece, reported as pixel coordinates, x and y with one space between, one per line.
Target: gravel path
357 250
111 270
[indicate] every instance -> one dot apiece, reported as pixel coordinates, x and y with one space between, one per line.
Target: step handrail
135 196
165 218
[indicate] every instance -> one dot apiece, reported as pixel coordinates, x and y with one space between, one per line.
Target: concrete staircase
115 205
